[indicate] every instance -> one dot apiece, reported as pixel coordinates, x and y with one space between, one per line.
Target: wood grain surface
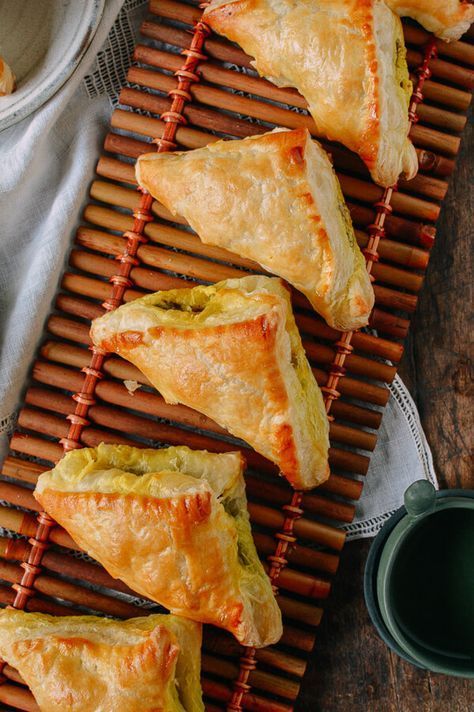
351 668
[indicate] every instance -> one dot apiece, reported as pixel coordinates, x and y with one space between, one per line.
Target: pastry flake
274 199
231 351
173 525
87 663
346 57
448 19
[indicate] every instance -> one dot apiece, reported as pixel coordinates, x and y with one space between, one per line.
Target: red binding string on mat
187 76
293 511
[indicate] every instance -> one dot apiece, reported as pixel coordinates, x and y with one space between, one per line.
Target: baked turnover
86 663
231 351
173 525
274 199
448 19
346 57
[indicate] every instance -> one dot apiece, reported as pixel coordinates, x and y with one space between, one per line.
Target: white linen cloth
47 162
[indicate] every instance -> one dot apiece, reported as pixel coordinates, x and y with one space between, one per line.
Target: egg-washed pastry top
87 663
7 78
448 19
233 352
346 57
275 199
173 525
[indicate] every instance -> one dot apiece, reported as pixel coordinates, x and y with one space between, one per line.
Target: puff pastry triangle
173 524
275 199
91 664
231 351
448 19
346 57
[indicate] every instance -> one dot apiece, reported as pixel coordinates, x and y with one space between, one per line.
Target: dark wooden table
351 669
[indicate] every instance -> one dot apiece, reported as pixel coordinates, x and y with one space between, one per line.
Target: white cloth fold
47 162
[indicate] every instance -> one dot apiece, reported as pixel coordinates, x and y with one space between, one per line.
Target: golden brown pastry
7 78
275 199
346 57
231 351
173 524
91 664
448 19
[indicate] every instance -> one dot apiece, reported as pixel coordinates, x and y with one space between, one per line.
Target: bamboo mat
225 102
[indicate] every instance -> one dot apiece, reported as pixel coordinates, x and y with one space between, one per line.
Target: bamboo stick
153 404
118 368
456 99
188 14
404 230
258 679
59 588
429 162
21 469
459 51
13 675
446 71
302 556
221 50
36 604
48 451
173 237
154 128
227 646
19 549
212 120
25 524
253 703
229 78
18 697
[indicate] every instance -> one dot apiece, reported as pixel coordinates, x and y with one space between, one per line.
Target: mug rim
371 594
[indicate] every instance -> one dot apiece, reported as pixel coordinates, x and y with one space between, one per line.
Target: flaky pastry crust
91 664
173 524
346 57
448 19
274 199
231 351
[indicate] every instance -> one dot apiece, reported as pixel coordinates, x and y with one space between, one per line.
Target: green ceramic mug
419 580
